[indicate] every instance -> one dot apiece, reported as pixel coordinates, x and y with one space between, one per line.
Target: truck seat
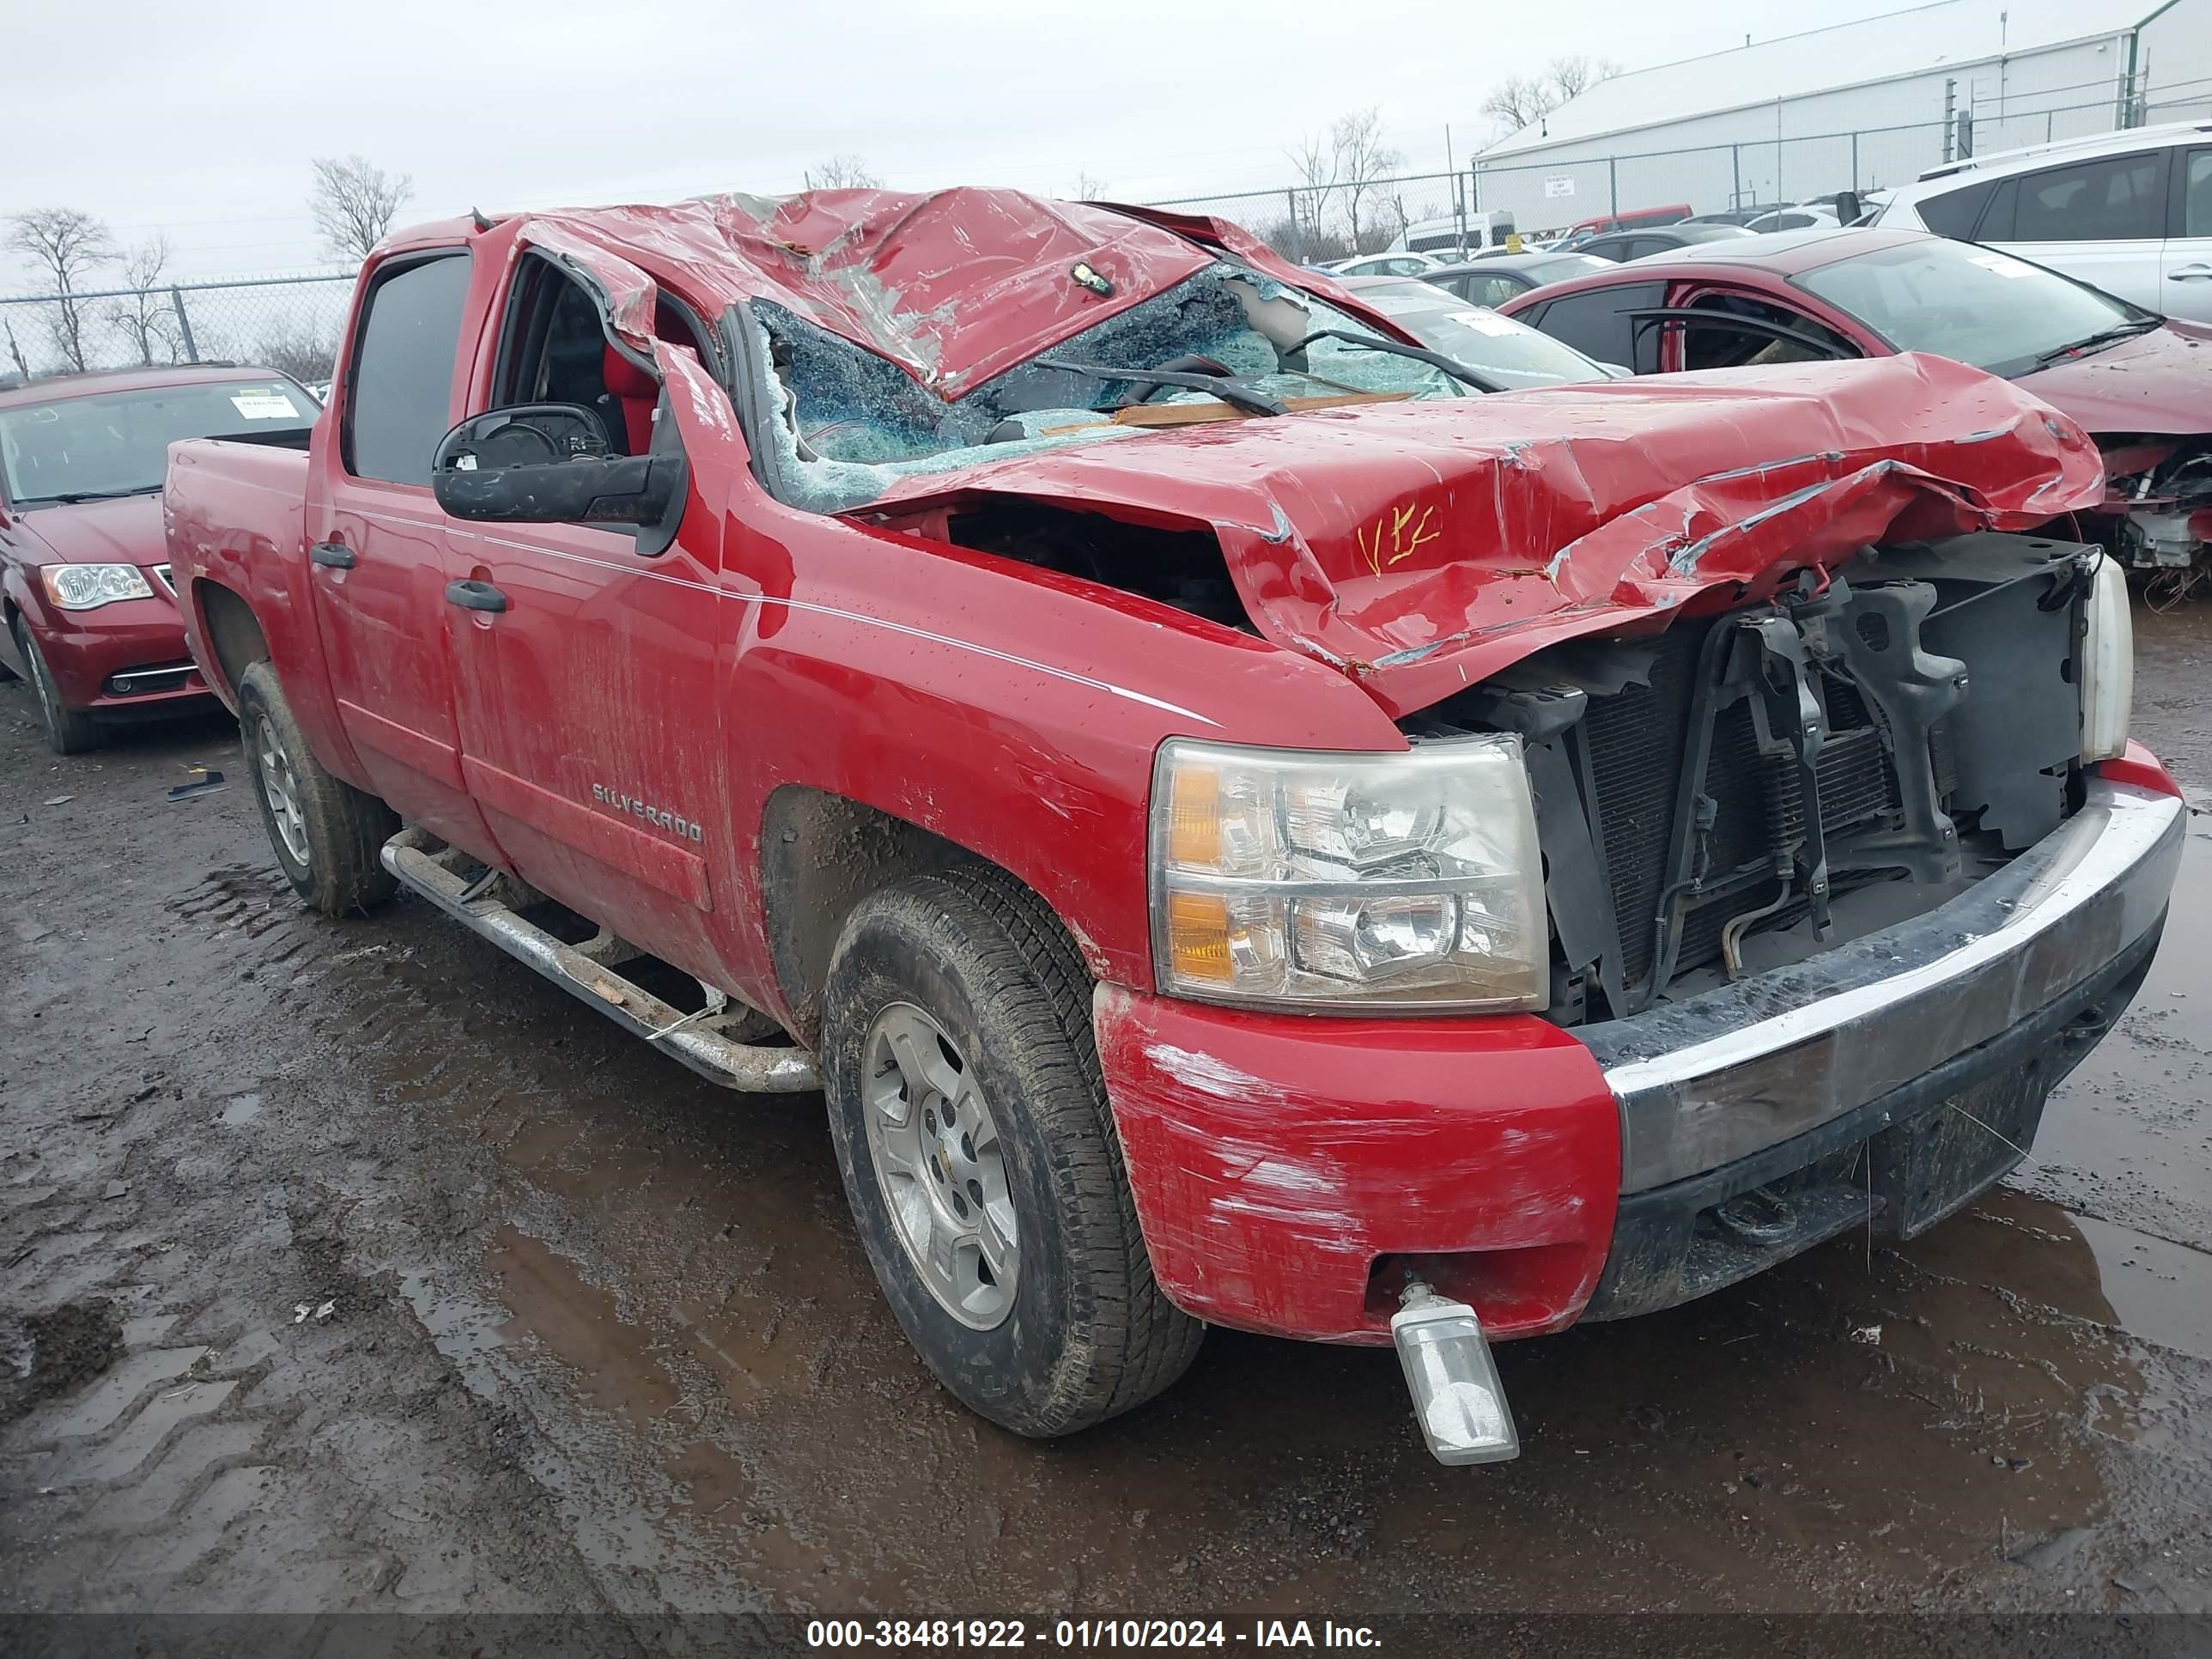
636 392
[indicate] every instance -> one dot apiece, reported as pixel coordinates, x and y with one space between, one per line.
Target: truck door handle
336 556
2191 274
474 595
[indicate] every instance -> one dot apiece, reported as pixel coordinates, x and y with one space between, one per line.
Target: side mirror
1847 207
548 464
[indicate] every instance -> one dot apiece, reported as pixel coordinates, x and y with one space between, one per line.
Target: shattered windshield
851 423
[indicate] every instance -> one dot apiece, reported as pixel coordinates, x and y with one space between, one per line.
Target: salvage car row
1258 806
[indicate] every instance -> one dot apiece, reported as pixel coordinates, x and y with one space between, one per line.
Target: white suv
2129 212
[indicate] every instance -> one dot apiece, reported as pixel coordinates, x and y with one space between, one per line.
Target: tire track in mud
271 1429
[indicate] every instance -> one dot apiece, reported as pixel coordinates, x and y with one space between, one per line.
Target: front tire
980 1156
327 834
69 730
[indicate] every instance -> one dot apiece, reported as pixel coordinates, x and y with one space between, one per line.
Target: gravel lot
356 1269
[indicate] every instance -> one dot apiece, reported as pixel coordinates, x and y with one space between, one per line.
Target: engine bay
1744 789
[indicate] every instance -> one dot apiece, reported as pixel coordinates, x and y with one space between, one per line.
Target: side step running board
694 1039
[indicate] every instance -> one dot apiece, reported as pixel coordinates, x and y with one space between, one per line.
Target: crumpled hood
126 531
1424 546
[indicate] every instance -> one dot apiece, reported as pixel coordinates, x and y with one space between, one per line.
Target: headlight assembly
1369 882
88 587
2108 657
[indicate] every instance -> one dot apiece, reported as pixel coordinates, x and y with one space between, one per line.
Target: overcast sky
200 119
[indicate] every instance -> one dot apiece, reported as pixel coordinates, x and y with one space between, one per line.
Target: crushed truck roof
955 286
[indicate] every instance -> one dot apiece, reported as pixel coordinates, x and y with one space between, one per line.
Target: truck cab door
589 731
377 547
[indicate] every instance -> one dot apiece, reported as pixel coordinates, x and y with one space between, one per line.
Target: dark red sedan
2141 384
91 620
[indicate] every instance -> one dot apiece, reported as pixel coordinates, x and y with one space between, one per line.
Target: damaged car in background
1247 822
2140 384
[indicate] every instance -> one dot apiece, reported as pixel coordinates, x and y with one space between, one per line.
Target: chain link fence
1314 224
289 324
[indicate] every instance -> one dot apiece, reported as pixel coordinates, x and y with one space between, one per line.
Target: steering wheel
1143 391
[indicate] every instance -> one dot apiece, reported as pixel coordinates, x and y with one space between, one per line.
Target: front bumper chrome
1716 1077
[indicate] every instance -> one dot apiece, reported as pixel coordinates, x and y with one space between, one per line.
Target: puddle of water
552 1302
539 1141
2161 1291
242 1109
464 1330
2126 1139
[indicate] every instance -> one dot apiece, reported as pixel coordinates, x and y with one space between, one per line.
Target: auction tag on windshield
2003 263
1484 322
263 404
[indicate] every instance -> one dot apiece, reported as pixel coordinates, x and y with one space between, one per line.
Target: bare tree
1571 75
1518 101
843 171
1088 189
298 348
1522 101
355 204
1315 159
68 246
1363 161
14 347
144 317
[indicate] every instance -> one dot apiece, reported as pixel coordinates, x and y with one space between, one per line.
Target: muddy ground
364 1270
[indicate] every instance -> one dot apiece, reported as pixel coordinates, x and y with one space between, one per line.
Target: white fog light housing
1457 1398
88 587
1306 880
2108 664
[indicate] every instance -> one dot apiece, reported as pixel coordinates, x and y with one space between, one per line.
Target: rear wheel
327 834
69 730
979 1153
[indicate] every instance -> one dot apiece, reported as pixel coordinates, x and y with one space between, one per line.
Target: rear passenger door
2101 220
378 546
2186 261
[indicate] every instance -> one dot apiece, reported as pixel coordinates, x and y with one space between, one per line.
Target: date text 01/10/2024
938 1634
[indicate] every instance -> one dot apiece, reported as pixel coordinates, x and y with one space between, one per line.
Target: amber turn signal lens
1198 937
1195 818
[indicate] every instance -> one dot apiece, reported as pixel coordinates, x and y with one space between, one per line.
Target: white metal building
1855 107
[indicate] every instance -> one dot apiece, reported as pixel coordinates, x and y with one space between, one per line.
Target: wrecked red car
2141 384
91 618
1246 825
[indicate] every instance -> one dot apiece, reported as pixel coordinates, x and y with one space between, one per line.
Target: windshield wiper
71 497
1229 391
2103 337
1451 366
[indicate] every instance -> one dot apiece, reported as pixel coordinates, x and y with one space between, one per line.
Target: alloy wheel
280 788
941 1165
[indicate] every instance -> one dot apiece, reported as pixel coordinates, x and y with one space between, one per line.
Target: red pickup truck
1247 823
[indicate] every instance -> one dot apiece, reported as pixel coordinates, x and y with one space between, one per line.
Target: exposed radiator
1638 741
